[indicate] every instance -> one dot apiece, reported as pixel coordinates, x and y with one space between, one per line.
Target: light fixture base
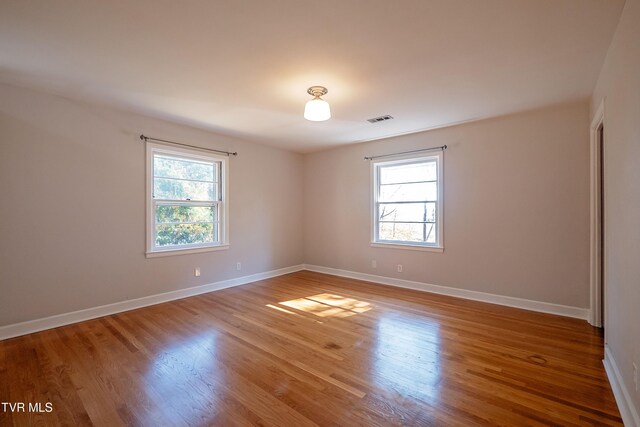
317 91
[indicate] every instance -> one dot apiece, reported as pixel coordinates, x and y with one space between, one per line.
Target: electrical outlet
238 266
635 376
374 263
399 268
196 272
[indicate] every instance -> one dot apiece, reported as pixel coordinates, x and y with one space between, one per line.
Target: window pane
186 234
407 212
173 167
177 213
408 192
173 189
408 173
419 233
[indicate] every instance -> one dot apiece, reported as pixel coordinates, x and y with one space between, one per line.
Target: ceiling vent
380 119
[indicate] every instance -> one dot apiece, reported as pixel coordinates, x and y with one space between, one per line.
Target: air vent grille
380 119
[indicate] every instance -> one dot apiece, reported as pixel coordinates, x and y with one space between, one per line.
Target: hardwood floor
312 349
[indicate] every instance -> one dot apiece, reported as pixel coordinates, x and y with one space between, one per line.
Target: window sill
173 252
407 247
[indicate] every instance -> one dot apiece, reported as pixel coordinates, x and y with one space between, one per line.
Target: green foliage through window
185 234
186 196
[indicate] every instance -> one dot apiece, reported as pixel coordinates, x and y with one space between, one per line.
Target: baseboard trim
544 307
627 408
55 321
31 326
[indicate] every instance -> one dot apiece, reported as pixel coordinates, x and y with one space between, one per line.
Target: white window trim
407 246
151 250
407 159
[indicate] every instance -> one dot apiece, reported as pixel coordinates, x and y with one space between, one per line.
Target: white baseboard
37 325
627 408
544 307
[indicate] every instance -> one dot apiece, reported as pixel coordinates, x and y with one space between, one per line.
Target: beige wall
72 179
619 83
516 197
73 221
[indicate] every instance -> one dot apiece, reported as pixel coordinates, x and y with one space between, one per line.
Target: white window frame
375 189
157 251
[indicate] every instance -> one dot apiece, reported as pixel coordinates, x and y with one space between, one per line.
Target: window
407 202
186 203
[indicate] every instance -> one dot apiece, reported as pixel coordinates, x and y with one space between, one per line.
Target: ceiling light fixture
317 110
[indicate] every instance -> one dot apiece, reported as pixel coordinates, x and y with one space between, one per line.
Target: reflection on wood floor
312 349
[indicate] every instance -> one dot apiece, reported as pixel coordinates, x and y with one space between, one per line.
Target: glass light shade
317 110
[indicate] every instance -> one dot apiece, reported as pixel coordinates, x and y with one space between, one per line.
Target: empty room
337 213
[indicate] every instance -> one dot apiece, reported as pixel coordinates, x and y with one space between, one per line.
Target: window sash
215 181
190 224
217 231
435 223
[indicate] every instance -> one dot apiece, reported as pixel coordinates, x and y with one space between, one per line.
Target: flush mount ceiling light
317 110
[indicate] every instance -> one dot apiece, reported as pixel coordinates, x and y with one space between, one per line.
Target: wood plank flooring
310 349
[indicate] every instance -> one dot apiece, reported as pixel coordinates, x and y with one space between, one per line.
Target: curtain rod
148 138
441 147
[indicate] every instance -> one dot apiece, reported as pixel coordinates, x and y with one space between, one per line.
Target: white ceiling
242 67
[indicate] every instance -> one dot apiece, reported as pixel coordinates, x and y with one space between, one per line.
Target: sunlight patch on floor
284 310
327 305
